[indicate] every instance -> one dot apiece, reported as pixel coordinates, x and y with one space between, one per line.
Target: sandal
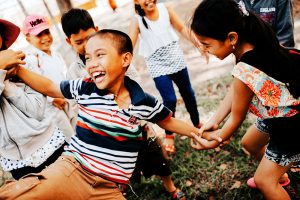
177 194
252 184
170 148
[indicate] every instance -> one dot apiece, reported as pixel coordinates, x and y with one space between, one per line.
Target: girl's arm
134 30
177 23
39 83
241 98
221 113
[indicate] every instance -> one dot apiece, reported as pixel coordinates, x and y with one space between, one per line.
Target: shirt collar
37 51
137 94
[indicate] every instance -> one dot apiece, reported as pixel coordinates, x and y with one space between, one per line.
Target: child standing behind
36 29
164 58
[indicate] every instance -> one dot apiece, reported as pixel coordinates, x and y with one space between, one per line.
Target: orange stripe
104 119
118 138
168 117
83 110
294 52
100 163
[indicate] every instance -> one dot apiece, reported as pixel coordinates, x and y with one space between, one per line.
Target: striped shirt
108 138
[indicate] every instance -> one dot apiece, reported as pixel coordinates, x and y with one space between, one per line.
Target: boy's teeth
96 74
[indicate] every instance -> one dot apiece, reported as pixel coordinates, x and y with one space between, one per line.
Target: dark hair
75 20
216 18
120 39
141 12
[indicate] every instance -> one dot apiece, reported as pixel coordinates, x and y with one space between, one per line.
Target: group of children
99 157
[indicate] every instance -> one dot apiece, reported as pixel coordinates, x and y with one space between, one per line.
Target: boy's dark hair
216 18
75 20
120 39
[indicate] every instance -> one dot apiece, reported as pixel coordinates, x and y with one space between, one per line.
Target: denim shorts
262 126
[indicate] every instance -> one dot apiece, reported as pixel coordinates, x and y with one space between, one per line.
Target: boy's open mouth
98 76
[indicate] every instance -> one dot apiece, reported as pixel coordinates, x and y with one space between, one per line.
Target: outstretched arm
241 98
177 23
178 126
39 83
222 112
134 30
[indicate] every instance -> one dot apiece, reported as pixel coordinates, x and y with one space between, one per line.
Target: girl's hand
209 140
59 103
9 59
208 126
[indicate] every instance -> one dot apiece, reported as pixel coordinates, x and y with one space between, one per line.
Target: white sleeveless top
159 33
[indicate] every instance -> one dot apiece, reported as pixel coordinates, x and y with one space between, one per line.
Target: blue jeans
164 84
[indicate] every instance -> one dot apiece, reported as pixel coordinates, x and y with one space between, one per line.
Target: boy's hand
10 59
59 103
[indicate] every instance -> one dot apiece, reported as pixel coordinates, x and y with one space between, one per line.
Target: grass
210 174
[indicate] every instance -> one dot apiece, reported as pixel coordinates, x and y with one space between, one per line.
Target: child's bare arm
39 83
178 126
241 98
134 30
9 58
222 112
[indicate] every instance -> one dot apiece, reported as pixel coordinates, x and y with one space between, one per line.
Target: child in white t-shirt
51 64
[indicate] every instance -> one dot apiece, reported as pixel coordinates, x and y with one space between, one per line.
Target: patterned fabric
108 138
282 159
158 34
38 157
166 60
271 99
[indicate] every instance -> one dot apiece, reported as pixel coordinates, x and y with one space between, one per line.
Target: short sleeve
70 88
158 111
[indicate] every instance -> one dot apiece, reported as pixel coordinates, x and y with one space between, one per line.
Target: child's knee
247 145
263 182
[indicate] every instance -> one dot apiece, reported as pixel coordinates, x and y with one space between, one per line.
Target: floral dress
271 100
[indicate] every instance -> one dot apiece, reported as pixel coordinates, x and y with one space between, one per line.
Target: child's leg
64 179
254 142
168 183
164 84
182 80
267 178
